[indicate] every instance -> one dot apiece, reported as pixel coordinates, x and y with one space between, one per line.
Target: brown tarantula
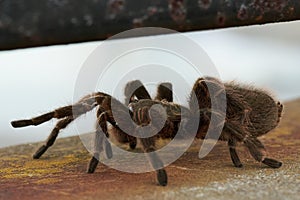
250 113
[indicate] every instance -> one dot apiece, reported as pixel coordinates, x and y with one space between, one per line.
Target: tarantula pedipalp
250 113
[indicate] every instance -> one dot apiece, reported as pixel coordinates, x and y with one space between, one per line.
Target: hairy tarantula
250 113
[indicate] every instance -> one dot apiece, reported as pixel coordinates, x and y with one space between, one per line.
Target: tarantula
250 113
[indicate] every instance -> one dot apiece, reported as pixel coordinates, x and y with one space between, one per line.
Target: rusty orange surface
60 173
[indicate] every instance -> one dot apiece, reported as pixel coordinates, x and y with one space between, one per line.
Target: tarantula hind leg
233 154
100 142
256 149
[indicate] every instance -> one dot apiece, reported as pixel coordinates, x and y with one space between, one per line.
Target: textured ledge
60 173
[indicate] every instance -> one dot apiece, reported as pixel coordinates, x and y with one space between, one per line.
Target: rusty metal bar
30 23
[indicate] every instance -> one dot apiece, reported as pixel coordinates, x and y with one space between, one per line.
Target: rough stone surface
60 173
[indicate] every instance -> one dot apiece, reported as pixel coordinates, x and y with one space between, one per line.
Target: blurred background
37 80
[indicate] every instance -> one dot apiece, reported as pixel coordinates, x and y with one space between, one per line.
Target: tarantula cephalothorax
250 113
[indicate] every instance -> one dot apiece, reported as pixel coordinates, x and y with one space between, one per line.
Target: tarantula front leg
67 114
84 105
53 135
148 145
149 121
100 142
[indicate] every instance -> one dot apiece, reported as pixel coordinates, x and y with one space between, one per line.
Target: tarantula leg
132 142
164 91
280 108
34 121
155 161
102 121
135 89
86 104
255 148
122 137
53 135
100 142
148 145
93 163
233 154
76 109
236 133
272 162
